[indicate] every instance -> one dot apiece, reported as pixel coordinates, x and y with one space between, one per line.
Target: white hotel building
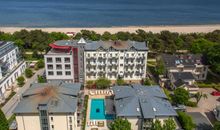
11 66
80 61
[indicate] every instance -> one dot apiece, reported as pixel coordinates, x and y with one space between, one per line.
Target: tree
28 73
106 36
186 121
147 82
169 124
39 64
89 84
41 79
156 125
20 81
216 125
120 124
213 57
201 46
102 83
120 82
181 96
160 67
199 95
3 121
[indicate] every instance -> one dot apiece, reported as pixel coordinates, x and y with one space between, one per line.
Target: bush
84 111
186 121
103 83
41 79
191 104
181 96
90 84
216 125
39 65
120 82
120 124
28 73
20 81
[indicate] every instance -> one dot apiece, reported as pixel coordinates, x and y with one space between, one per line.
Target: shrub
120 81
186 121
41 79
39 65
3 121
181 96
28 73
191 104
120 124
103 83
20 81
90 84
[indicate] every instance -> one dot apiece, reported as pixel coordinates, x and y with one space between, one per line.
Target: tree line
163 42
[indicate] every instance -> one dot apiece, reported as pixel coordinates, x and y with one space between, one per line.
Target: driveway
206 106
12 103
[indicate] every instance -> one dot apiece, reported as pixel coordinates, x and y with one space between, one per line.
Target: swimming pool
97 110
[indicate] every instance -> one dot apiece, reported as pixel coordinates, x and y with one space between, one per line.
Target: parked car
215 93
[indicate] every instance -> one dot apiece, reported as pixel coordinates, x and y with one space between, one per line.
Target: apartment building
49 106
141 105
65 61
11 66
80 61
114 59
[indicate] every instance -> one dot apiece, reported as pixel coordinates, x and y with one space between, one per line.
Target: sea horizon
107 13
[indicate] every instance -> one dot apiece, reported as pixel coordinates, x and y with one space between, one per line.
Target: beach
100 30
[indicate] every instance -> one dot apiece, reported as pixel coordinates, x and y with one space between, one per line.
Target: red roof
59 47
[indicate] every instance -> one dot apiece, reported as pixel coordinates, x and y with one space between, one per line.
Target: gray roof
201 121
179 83
6 47
118 45
94 45
188 60
183 75
59 97
141 101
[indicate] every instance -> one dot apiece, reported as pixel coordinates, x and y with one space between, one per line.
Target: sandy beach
100 30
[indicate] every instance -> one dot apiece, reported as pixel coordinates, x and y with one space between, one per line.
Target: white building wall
118 67
56 122
28 122
135 123
55 70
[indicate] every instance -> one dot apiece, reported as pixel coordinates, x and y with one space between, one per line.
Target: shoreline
114 29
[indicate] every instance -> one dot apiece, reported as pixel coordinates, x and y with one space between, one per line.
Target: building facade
89 60
141 105
49 106
11 66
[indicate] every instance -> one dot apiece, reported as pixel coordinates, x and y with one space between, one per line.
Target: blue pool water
97 111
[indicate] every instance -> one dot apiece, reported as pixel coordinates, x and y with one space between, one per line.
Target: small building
141 105
49 106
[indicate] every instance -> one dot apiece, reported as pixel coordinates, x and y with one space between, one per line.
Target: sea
107 13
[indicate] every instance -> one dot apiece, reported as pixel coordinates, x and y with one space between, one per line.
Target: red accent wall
75 64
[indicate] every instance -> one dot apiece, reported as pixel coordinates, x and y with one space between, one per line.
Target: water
104 13
97 111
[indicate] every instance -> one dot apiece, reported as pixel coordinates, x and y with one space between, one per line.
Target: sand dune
154 29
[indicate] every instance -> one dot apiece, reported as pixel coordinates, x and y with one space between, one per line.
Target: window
67 60
52 126
88 55
50 67
49 60
121 57
51 118
121 64
71 128
59 72
70 119
58 60
50 72
59 66
68 73
67 66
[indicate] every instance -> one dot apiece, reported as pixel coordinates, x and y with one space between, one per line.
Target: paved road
206 106
12 103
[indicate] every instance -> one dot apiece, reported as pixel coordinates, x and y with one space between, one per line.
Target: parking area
206 106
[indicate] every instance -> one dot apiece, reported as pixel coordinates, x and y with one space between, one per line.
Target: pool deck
89 127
